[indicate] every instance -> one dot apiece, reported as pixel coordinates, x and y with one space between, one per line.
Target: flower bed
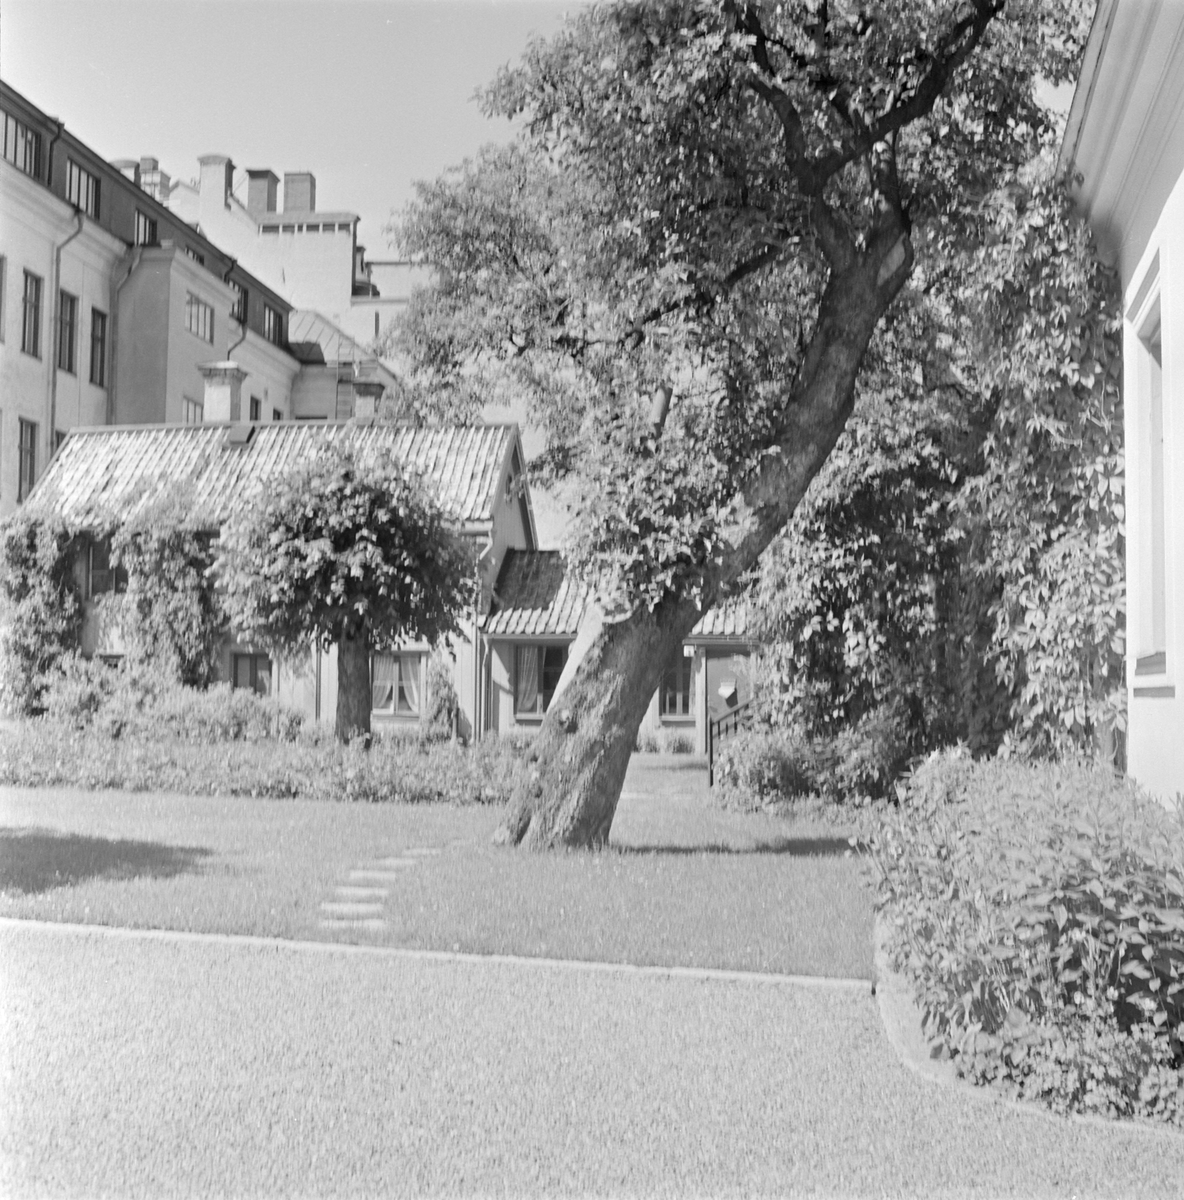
1039 913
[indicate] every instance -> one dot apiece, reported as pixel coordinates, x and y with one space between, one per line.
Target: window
252 671
675 698
145 232
394 684
67 330
536 675
273 325
22 146
199 318
101 576
194 411
238 310
256 408
98 348
31 322
82 189
26 459
196 255
3 293
276 415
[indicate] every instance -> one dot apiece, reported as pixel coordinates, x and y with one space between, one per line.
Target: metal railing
720 729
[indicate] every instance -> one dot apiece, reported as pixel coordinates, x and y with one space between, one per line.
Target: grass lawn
683 883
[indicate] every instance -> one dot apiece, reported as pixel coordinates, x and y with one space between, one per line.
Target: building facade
1124 154
110 303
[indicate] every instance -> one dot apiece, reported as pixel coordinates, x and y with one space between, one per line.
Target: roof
536 598
314 338
97 471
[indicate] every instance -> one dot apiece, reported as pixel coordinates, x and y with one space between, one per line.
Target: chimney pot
217 177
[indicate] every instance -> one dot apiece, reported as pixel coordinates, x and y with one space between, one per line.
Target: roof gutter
1087 80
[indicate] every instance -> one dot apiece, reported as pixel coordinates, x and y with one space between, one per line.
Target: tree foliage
170 611
40 606
344 549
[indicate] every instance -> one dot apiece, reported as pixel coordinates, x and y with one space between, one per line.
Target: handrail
725 726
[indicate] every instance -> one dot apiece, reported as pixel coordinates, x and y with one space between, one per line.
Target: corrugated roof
535 598
100 471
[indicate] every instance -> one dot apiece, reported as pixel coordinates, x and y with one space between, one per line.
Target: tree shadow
799 847
36 860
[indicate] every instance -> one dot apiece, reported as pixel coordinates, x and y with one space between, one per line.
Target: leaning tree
679 265
346 549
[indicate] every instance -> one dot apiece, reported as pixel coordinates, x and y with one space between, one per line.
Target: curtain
527 683
409 683
383 671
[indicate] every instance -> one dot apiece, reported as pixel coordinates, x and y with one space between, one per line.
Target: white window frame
199 317
397 683
537 709
82 189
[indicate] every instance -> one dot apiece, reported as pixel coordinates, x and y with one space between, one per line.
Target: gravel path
150 1066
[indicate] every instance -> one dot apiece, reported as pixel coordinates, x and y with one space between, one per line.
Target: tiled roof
535 598
97 471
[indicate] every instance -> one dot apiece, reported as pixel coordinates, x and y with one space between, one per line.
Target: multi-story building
112 307
312 255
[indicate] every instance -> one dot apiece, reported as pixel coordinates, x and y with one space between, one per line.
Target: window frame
238 310
26 458
67 332
31 315
400 705
112 579
543 697
252 661
193 412
82 189
199 315
273 325
145 232
682 666
17 132
98 347
256 409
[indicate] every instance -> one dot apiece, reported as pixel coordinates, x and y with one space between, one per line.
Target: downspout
133 261
55 331
243 322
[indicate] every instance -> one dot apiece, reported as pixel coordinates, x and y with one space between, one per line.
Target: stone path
359 903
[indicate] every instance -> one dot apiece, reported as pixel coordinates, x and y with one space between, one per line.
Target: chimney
300 192
128 168
261 191
223 395
153 180
217 178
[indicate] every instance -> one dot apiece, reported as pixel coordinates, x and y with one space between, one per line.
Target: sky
369 95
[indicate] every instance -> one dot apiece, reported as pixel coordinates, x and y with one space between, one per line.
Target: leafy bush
866 759
46 753
759 765
136 701
40 608
443 702
1039 912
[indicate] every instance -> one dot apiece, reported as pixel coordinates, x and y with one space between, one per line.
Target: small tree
343 549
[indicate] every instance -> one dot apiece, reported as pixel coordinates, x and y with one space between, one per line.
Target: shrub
1039 912
443 702
866 759
40 608
46 753
759 765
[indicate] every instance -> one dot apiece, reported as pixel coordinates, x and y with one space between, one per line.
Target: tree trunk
353 687
578 761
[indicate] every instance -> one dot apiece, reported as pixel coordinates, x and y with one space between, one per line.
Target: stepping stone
352 892
349 908
374 923
394 862
423 851
362 874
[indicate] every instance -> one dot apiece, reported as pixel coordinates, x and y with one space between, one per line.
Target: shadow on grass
801 847
35 860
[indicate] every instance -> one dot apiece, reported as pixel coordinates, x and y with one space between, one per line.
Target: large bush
1039 912
40 607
